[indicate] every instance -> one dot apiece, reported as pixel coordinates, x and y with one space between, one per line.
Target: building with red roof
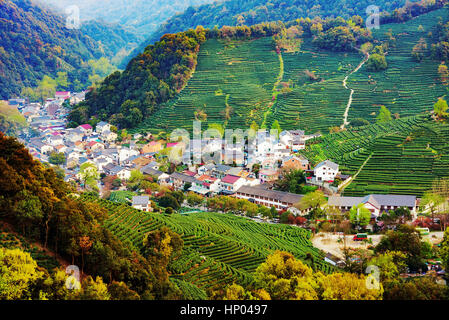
229 184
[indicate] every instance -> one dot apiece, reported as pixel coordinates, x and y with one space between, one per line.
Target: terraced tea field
314 105
219 249
407 87
237 76
237 82
400 157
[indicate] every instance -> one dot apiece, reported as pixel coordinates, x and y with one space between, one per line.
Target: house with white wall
325 171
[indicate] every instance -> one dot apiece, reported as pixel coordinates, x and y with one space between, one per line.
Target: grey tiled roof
287 197
182 177
328 163
376 200
140 200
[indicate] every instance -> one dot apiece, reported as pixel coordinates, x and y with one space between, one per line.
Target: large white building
325 171
375 203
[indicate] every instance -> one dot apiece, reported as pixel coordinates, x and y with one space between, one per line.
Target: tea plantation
402 156
237 82
219 249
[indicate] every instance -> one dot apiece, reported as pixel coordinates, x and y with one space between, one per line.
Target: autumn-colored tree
85 244
349 286
444 73
440 108
19 275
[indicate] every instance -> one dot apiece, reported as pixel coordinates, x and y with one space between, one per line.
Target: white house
230 184
109 136
141 203
55 140
325 171
124 174
102 127
126 153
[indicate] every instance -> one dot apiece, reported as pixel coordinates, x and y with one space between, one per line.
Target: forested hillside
250 12
34 43
115 41
38 207
139 17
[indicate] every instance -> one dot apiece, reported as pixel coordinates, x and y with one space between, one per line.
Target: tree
313 200
283 277
419 50
91 290
359 216
408 241
89 175
376 62
254 128
169 201
161 247
194 199
19 274
444 73
440 108
349 286
292 181
384 115
120 291
57 158
276 126
432 201
218 127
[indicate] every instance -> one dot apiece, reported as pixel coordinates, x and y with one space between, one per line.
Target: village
109 161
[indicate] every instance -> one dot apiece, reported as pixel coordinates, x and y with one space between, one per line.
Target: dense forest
34 43
251 12
138 17
115 41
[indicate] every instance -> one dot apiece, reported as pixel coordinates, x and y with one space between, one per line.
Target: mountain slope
35 42
242 74
153 78
251 12
115 41
403 156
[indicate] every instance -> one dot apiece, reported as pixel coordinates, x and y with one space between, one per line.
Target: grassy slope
406 87
242 75
219 249
404 156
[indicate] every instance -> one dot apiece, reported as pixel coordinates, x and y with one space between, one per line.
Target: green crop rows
407 87
121 196
314 105
402 157
238 74
238 78
219 249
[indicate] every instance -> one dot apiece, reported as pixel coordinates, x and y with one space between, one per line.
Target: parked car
360 237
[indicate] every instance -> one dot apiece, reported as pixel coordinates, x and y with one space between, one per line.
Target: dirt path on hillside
348 106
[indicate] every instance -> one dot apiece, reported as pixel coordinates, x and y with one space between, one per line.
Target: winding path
348 106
